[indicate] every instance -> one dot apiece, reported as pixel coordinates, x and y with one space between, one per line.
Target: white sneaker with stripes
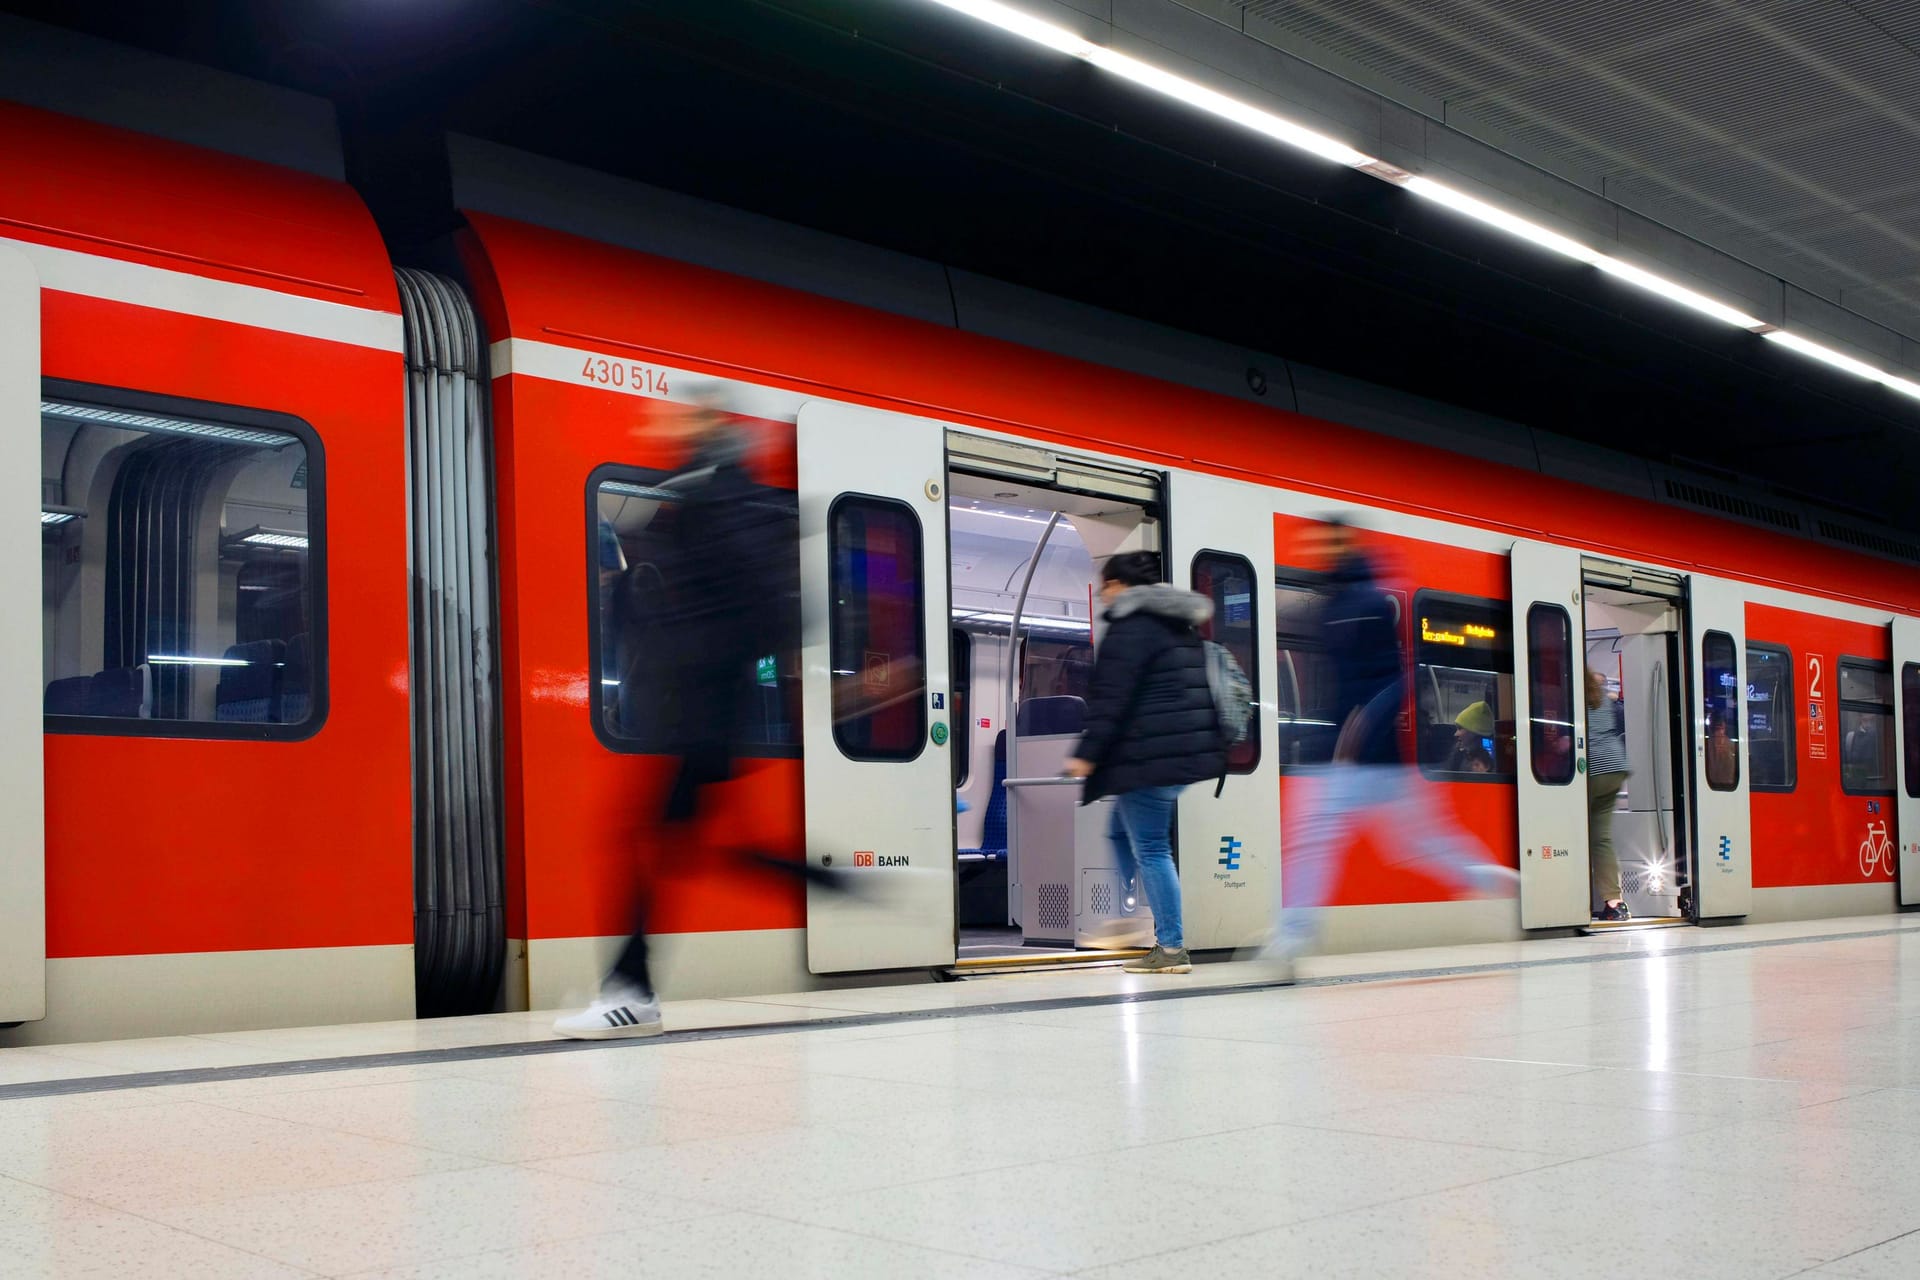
620 1012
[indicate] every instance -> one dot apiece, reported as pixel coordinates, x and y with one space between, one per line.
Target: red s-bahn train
337 722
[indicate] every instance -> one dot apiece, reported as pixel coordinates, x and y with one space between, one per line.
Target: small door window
1720 671
1550 724
877 633
1910 730
1228 581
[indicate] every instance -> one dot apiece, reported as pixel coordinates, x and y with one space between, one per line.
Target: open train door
1723 851
1550 756
1906 724
23 897
875 686
1220 544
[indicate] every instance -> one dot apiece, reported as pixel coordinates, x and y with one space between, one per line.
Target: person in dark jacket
1151 730
699 615
1367 781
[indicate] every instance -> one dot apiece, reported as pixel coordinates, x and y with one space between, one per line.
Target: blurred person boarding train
1152 728
1606 775
704 611
1367 782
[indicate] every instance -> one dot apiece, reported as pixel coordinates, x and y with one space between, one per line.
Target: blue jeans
1141 821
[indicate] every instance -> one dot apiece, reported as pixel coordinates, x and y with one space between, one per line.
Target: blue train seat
246 693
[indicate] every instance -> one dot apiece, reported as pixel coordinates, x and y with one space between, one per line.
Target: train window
1910 712
876 634
1055 665
962 708
1550 694
1304 700
1228 581
181 556
637 585
1772 764
1463 687
1866 727
1721 672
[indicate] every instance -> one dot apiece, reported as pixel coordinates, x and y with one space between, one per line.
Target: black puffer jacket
1150 718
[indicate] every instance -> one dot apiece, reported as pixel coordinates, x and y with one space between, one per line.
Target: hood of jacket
1165 600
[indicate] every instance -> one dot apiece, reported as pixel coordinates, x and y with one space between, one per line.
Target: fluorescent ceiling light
170 426
1027 620
185 660
1008 18
627 489
1512 224
1826 355
57 517
1677 293
267 538
1216 103
1905 386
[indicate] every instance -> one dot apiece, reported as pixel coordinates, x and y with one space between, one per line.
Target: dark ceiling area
902 125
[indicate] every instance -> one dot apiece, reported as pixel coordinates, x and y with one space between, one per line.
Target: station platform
1716 1102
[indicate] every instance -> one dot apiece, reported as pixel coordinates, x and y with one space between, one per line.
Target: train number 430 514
620 373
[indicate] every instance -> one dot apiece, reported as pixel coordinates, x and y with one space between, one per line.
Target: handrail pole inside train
1013 707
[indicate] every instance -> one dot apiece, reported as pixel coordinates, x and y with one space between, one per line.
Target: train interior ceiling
1035 866
1635 642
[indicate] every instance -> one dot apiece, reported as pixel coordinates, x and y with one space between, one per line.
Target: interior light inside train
176 567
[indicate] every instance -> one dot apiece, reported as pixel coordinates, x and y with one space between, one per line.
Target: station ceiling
900 124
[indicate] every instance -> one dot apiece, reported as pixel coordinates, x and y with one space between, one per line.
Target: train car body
237 742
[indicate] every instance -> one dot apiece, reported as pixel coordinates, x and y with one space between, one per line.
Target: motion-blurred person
707 614
1366 782
1606 774
1151 730
1723 753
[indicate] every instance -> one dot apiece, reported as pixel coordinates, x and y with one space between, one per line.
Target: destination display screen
1458 632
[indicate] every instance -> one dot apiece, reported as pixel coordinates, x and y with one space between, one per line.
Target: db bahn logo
863 858
867 858
1230 853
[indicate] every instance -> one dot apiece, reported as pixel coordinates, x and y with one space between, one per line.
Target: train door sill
1044 961
1599 927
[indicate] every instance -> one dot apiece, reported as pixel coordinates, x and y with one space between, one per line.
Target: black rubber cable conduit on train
459 900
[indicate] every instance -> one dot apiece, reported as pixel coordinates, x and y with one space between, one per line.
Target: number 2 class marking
623 374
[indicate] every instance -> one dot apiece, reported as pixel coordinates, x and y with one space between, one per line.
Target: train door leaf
23 902
1723 857
876 687
1220 543
1906 724
1550 758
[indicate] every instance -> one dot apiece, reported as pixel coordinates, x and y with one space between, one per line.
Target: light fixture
1512 224
168 426
627 489
59 515
188 660
1825 355
1159 79
1677 293
285 540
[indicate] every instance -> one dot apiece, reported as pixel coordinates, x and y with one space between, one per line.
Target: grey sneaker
1161 960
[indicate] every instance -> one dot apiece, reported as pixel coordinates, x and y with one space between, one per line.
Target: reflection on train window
1055 666
962 707
876 630
642 582
180 547
1463 687
1228 582
1720 672
1305 698
1550 694
1771 762
1866 727
1910 712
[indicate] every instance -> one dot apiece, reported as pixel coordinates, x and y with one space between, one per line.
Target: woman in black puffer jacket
1151 730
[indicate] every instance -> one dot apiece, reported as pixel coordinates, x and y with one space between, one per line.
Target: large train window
876 634
1305 700
1772 764
1463 687
1227 580
1910 712
1722 677
181 552
1550 694
1866 727
648 598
